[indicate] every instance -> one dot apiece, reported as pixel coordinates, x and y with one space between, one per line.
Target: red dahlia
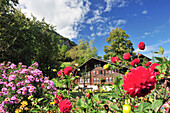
67 70
126 56
139 82
65 106
59 73
135 61
148 64
153 66
141 45
114 59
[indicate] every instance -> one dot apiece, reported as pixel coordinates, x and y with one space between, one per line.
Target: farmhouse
92 72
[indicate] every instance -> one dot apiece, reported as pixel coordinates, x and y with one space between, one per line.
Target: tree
119 44
82 52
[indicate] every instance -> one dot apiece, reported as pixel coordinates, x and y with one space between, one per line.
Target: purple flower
35 64
18 84
11 77
4 89
12 66
13 97
19 91
37 80
24 92
22 83
16 101
10 84
13 88
24 71
5 92
48 87
24 66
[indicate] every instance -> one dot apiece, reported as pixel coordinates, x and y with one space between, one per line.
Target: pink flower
65 106
126 56
67 70
139 82
135 61
141 45
115 59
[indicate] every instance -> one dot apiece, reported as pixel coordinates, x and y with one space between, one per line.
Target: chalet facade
92 72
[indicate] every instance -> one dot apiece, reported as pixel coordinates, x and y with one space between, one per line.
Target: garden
143 89
39 68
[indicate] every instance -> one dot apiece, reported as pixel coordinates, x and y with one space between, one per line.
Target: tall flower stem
121 95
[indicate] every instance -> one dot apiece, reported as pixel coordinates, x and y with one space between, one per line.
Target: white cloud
91 28
92 35
97 17
114 3
119 22
147 33
65 14
144 12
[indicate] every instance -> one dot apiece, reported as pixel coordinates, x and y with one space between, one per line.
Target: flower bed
143 89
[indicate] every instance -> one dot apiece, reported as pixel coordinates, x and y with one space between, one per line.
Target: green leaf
157 103
144 105
157 52
160 59
40 99
115 107
117 80
161 50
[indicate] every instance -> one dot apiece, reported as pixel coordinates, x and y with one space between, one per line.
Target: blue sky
143 20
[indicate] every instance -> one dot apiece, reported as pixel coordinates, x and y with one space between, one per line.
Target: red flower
42 85
65 106
141 45
126 56
67 70
57 99
153 66
59 73
135 61
114 59
139 82
148 64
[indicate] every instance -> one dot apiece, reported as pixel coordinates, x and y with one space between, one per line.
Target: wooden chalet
91 72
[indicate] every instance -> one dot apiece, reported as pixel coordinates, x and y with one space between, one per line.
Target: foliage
83 51
119 44
28 40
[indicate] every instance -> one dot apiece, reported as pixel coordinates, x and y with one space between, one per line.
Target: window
93 72
97 72
81 80
88 80
94 80
100 71
97 79
110 79
109 71
106 79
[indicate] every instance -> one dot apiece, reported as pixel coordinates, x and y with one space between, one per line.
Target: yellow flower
52 103
54 70
126 73
126 108
78 69
76 64
17 110
24 103
22 107
26 108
